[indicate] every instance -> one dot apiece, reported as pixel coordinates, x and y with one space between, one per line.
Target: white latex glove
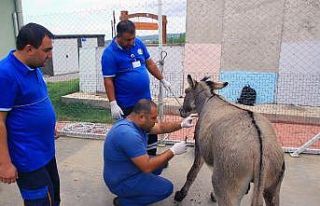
187 122
165 84
179 148
116 111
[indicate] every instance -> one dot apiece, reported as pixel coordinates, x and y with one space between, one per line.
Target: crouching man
129 172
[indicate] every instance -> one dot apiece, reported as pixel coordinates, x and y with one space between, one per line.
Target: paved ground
80 164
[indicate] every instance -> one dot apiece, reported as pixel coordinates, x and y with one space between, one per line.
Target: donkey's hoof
213 199
179 196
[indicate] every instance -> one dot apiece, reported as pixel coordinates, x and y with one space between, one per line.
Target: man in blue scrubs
129 172
27 120
126 64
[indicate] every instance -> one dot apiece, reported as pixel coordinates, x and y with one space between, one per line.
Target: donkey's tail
259 171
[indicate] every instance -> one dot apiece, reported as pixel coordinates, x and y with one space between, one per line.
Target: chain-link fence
273 46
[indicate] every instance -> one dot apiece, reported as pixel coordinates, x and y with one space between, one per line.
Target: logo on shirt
140 51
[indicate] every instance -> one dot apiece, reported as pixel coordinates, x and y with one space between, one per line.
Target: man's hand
187 122
8 173
116 111
166 84
179 148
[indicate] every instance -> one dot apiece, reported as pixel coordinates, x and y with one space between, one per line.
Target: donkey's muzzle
182 112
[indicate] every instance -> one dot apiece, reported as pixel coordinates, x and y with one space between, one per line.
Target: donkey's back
239 144
224 127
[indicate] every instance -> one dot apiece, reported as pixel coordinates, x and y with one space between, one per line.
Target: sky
94 16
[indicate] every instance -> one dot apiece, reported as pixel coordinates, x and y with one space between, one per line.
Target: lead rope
163 55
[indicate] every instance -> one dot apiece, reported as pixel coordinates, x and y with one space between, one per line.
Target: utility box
65 54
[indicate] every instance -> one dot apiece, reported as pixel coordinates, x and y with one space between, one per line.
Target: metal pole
15 23
114 23
160 97
112 29
305 146
161 89
19 13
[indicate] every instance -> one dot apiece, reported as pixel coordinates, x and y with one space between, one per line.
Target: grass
75 111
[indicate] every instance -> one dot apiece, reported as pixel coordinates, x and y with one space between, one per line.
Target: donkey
240 145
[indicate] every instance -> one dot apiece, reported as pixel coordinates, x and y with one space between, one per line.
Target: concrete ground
80 165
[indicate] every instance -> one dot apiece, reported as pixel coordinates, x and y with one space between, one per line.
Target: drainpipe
17 16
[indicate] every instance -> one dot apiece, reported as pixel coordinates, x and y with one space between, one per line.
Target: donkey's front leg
192 174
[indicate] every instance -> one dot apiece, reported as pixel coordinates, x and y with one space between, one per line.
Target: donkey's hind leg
271 194
228 191
192 174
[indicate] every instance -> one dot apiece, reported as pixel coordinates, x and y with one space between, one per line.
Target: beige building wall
249 32
204 21
251 35
301 21
7 36
203 37
263 36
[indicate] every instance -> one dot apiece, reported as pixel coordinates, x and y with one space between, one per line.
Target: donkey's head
197 93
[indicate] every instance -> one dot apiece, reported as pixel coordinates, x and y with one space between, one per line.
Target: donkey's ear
219 85
191 82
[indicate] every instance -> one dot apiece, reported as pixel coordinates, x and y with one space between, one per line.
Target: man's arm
153 69
8 172
165 127
109 87
147 164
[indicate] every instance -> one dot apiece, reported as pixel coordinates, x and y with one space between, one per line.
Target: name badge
136 64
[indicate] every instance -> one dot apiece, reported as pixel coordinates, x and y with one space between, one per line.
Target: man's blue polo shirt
124 141
128 68
31 119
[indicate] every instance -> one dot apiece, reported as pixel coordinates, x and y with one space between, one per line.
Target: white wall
7 36
299 75
65 56
89 42
88 70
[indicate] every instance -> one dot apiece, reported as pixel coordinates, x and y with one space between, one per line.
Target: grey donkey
240 146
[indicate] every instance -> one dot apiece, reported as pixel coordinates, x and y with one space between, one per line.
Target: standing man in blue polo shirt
126 64
129 172
27 120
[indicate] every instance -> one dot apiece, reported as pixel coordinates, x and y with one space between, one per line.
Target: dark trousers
152 138
40 187
149 189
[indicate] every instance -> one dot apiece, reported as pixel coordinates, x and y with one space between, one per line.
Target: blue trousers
149 189
40 187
